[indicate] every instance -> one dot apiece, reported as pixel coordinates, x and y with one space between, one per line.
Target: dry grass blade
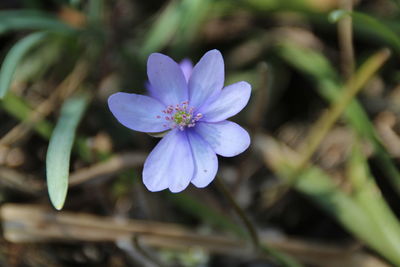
345 35
65 89
352 87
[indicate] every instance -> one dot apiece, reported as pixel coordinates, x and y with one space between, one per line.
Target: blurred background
319 184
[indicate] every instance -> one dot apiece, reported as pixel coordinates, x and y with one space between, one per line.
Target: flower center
180 116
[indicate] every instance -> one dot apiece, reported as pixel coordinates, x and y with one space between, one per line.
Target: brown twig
20 181
23 182
107 168
33 223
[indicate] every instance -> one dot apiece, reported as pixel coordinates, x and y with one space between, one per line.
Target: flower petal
167 81
207 78
205 160
150 90
170 164
137 112
187 68
232 99
226 138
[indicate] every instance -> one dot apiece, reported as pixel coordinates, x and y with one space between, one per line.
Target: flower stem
281 258
240 212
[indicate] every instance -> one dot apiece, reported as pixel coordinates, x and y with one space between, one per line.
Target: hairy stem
240 212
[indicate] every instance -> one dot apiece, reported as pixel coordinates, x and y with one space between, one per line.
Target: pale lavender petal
170 164
187 68
226 138
167 81
150 90
205 160
232 99
137 112
207 78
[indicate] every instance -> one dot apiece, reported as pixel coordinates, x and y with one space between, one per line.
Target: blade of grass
162 30
345 40
14 56
320 187
34 65
179 22
192 14
369 197
352 87
275 5
370 25
95 11
19 109
323 74
59 150
319 69
66 88
31 20
74 3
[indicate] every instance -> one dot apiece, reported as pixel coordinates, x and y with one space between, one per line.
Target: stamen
181 116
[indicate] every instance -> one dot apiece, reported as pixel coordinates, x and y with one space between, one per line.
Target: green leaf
13 57
178 23
34 65
192 15
370 26
363 212
31 20
75 3
162 30
59 150
370 198
96 10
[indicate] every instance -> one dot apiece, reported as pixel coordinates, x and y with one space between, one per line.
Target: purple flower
191 105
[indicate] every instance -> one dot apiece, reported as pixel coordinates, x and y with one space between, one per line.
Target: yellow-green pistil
180 116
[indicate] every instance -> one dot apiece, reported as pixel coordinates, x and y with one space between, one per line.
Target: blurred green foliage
296 39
